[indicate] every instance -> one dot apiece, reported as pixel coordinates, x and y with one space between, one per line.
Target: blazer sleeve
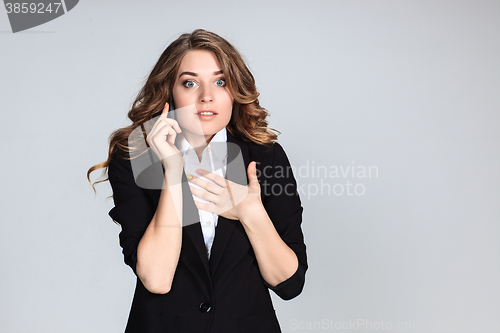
133 209
284 208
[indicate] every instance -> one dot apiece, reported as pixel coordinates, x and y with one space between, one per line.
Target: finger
162 132
230 194
202 194
158 121
208 207
171 121
252 174
171 135
212 176
175 125
206 185
165 109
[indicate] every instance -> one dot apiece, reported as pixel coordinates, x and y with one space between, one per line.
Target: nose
206 94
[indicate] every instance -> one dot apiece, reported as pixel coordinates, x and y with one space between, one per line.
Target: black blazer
226 293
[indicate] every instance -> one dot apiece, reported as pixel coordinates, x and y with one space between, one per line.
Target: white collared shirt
213 160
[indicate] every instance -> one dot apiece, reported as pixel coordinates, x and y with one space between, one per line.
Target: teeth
206 113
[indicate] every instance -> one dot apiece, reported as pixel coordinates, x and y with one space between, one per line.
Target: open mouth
207 113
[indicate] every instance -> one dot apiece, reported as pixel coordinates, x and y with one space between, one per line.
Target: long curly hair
248 119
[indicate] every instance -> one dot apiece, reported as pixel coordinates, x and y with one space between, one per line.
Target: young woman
205 247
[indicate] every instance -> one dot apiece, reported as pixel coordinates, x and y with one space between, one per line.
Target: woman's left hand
227 199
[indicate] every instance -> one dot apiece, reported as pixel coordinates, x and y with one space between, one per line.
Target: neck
198 142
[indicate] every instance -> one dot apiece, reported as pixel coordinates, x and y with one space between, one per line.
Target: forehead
199 61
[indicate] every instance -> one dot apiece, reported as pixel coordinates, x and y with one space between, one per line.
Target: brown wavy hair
248 119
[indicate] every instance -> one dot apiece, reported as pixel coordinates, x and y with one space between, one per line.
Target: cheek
181 98
227 100
181 117
185 119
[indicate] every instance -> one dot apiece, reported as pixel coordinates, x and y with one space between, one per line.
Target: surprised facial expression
203 102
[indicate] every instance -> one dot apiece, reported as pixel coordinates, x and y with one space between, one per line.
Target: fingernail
199 171
166 104
188 176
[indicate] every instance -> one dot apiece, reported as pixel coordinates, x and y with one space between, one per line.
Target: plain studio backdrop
389 112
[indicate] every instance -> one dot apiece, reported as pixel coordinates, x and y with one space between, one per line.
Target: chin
212 130
206 132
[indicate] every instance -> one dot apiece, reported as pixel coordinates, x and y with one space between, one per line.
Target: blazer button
205 307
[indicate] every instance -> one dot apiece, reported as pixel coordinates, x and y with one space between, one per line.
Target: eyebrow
194 74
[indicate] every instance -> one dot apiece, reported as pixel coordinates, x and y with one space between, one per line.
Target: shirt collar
220 151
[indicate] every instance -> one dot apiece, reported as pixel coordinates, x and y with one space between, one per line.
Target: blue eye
221 82
189 84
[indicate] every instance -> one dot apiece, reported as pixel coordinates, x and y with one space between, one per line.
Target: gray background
411 87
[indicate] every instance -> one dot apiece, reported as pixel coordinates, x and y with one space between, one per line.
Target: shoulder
272 155
274 150
264 150
119 165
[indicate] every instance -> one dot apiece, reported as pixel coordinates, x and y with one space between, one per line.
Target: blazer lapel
237 173
190 227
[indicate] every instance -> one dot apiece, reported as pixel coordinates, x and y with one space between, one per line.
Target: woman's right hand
164 148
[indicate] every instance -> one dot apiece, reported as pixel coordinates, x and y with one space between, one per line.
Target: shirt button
208 222
209 149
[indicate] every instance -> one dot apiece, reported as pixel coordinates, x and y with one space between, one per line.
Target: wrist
173 174
252 212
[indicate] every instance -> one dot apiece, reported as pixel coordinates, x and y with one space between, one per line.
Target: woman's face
200 85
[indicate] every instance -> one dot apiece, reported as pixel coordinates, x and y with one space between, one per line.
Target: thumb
252 174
